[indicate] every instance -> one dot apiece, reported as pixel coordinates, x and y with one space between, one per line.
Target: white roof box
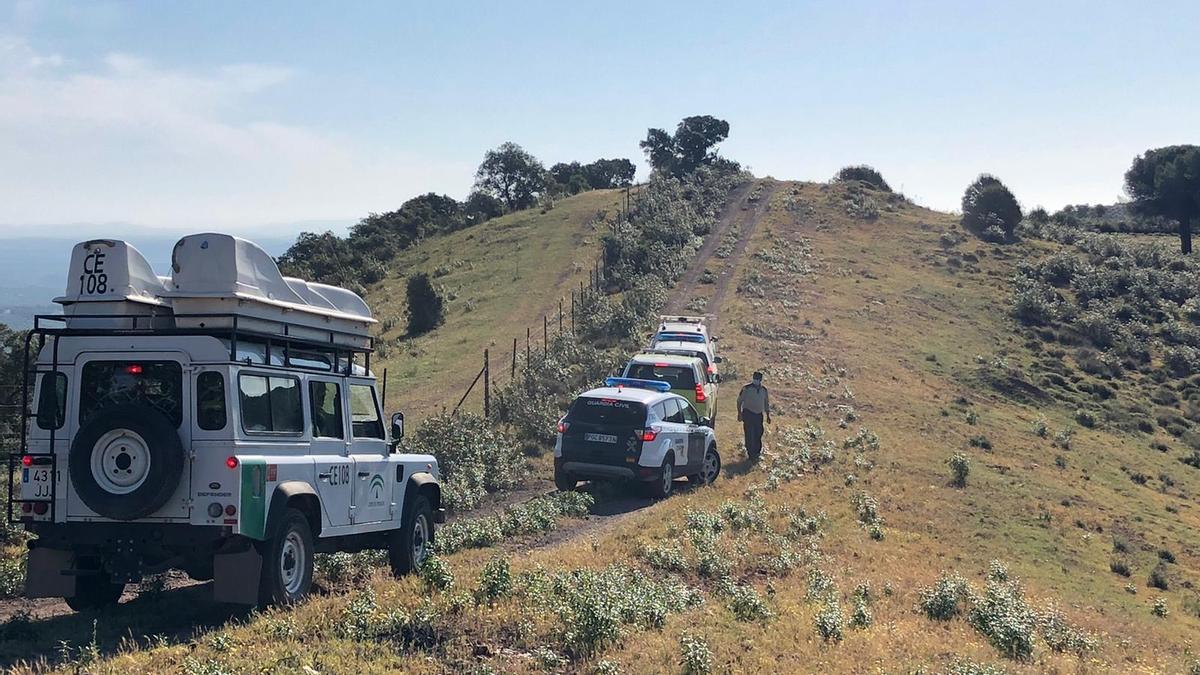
221 274
111 278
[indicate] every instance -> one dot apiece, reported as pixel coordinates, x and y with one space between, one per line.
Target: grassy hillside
499 278
887 340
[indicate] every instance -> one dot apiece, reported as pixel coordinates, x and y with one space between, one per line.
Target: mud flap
46 573
236 576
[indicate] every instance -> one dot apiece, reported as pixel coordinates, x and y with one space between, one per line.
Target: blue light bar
656 385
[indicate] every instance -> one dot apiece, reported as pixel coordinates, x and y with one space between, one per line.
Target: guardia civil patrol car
636 430
222 420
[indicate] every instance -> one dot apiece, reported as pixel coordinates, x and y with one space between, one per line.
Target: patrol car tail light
563 426
134 369
700 397
711 369
649 434
231 462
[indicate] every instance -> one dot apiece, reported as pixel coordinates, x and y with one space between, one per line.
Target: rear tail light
563 426
700 397
41 508
230 510
27 507
231 462
649 434
26 461
711 369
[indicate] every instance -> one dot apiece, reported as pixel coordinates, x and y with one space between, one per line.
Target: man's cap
758 375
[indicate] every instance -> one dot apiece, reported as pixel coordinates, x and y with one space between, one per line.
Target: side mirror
716 378
706 422
717 359
397 427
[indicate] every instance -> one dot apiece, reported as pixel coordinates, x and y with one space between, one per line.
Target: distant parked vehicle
685 373
688 332
634 430
223 421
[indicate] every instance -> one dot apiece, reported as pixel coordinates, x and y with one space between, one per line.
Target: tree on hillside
573 177
481 207
1166 182
12 344
863 173
990 209
385 234
425 307
323 257
512 175
692 145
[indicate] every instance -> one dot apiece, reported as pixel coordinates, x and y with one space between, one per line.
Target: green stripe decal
254 498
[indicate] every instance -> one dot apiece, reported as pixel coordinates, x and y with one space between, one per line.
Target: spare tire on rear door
126 461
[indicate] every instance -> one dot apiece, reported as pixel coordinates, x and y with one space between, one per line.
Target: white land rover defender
222 420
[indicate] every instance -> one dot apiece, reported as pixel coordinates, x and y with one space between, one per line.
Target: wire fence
566 318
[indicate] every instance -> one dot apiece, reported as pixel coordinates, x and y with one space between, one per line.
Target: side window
210 400
364 414
271 404
689 414
660 411
52 401
326 401
674 414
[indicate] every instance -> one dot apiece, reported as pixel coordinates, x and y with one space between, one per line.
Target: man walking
753 404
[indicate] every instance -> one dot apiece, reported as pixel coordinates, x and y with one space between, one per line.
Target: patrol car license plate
600 438
35 483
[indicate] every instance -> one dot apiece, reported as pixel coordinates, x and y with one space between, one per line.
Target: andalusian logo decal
375 491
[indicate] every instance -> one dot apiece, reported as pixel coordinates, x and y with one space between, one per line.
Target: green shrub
475 457
864 174
12 576
1158 577
747 605
960 466
829 620
425 305
495 580
537 515
943 600
1061 636
1160 608
1005 618
695 657
436 574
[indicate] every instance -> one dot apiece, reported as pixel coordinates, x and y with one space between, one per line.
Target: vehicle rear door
155 380
601 430
373 482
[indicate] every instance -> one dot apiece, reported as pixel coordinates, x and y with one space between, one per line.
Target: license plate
35 484
600 438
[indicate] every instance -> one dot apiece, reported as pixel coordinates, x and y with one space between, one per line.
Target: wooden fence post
560 316
487 387
545 336
514 365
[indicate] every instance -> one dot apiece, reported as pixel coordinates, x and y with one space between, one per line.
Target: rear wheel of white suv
287 566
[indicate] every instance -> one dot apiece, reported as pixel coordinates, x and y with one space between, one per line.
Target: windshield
607 411
679 377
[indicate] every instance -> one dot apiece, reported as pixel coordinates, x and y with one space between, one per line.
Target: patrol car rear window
680 337
680 377
608 411
157 384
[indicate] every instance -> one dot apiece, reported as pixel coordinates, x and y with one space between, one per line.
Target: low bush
475 458
943 601
537 515
695 657
960 467
830 622
747 605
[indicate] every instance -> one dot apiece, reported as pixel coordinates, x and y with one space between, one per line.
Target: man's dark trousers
752 425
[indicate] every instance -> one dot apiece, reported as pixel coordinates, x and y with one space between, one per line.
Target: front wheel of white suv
410 545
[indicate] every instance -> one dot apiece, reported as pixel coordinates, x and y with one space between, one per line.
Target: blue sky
270 116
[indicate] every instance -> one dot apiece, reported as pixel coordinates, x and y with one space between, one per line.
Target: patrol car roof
674 359
636 394
689 346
